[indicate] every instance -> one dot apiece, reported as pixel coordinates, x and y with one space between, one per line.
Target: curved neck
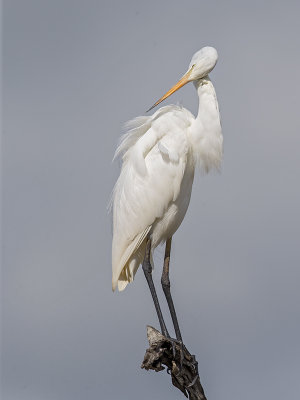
208 110
206 133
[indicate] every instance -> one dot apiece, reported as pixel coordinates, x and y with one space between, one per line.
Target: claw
173 349
173 343
193 381
180 344
181 355
195 364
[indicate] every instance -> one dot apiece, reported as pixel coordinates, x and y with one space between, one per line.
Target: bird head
202 63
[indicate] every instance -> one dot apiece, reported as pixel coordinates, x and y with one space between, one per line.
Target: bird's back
153 190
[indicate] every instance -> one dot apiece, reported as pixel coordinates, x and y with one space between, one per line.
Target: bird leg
165 282
147 268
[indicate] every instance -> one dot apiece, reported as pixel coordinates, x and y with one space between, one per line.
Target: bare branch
181 365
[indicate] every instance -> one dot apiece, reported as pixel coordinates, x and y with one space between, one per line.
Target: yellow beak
183 81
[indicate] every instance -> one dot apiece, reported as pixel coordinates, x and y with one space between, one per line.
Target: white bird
152 194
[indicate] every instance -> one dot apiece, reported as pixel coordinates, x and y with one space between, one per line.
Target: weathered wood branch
181 365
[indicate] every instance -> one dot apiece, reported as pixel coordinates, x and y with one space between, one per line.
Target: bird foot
181 365
194 364
177 345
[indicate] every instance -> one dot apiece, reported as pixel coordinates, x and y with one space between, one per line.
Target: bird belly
165 227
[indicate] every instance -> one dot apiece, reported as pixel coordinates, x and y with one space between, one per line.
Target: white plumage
160 153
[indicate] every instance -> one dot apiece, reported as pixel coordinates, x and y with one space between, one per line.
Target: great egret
152 194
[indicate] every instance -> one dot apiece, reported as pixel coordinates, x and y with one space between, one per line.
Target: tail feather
125 269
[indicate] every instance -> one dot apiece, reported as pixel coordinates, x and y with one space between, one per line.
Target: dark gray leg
147 268
165 281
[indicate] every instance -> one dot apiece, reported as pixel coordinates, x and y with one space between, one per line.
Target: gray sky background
74 72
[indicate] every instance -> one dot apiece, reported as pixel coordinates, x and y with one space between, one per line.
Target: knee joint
165 281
